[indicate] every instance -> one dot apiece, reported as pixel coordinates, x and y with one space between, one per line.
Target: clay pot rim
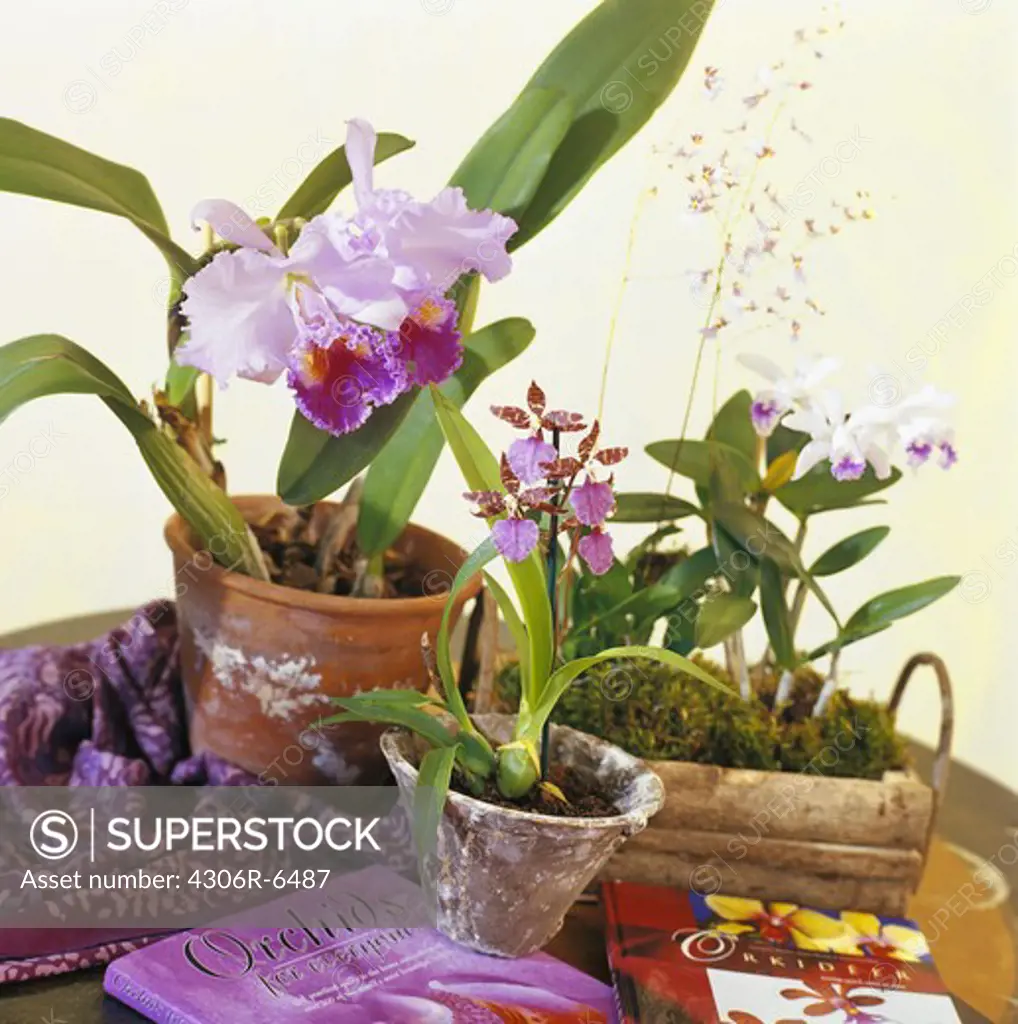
392 744
176 534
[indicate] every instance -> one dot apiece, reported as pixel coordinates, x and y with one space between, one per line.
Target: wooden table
974 941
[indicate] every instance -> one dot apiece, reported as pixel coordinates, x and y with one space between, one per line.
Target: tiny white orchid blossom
787 391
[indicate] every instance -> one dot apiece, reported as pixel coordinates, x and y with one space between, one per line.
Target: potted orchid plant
362 308
779 787
505 796
782 761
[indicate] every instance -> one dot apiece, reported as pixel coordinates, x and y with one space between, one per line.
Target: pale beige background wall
238 99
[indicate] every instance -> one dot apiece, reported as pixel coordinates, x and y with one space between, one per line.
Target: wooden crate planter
804 837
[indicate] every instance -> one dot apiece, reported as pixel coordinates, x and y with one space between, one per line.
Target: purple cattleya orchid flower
428 343
430 244
255 310
340 370
552 487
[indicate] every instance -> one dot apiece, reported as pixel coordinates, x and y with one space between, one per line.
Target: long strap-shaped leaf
478 558
480 470
48 364
517 630
563 678
36 164
429 800
613 70
399 473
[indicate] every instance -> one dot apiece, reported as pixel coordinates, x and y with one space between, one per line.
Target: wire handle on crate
942 759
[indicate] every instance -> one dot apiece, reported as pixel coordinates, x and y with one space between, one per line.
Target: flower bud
517 770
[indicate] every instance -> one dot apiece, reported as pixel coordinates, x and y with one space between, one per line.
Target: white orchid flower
849 443
787 391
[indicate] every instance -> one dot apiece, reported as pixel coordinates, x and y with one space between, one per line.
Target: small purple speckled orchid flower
515 536
529 455
355 311
552 487
772 404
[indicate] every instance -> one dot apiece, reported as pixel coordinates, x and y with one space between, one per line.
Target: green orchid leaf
776 615
697 461
480 469
784 439
897 604
48 364
399 472
430 796
476 561
33 163
616 66
506 165
818 491
760 538
849 552
563 677
720 616
316 464
733 426
650 543
365 707
734 564
692 573
843 640
332 174
639 507
880 612
649 603
517 630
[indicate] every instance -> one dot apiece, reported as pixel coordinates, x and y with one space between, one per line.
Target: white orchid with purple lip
923 429
851 443
355 311
787 391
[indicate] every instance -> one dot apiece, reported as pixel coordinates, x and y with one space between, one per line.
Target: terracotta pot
260 662
504 879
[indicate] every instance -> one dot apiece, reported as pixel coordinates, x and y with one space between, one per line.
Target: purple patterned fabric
109 712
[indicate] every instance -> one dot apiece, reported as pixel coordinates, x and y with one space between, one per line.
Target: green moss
657 713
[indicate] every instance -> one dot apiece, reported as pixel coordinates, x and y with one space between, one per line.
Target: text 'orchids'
537 478
354 310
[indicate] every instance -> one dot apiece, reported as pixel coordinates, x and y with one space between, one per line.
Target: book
684 958
319 964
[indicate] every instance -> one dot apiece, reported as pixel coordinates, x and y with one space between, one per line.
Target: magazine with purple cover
321 965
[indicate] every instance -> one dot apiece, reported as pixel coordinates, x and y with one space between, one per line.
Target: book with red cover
683 958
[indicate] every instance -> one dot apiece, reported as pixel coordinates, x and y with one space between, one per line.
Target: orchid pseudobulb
354 312
537 479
